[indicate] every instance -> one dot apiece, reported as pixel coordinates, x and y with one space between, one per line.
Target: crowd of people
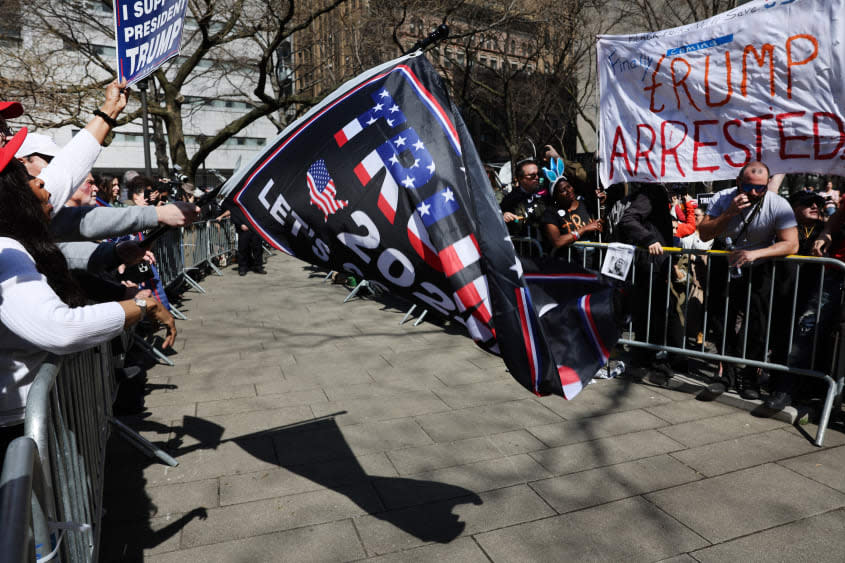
552 205
66 243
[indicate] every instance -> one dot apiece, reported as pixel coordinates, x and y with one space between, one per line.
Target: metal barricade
808 313
222 238
169 256
67 421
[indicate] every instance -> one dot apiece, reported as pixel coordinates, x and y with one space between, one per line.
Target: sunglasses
534 175
753 187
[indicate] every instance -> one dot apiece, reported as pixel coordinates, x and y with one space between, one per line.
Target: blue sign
147 33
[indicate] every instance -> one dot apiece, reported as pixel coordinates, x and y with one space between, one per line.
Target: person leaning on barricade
42 310
805 327
59 167
755 224
566 220
647 223
526 202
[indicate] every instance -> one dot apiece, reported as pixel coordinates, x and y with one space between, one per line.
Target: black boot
725 382
747 384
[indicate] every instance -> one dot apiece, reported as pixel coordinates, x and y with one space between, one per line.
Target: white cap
37 143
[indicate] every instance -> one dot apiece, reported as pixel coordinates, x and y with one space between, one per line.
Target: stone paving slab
335 541
818 538
409 461
748 501
626 530
310 430
747 451
598 486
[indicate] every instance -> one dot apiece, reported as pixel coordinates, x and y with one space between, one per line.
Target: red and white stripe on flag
459 255
350 130
472 294
418 237
570 381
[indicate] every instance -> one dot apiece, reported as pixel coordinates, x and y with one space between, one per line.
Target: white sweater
35 321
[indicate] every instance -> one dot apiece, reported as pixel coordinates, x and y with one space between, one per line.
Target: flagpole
598 136
440 33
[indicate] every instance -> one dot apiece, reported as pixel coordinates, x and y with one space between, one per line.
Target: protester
831 199
138 189
66 171
754 224
85 195
42 310
108 190
36 152
566 220
526 203
695 266
646 223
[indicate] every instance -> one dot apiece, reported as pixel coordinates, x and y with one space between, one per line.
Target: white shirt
34 322
70 167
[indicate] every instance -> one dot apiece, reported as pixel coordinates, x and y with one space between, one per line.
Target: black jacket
647 219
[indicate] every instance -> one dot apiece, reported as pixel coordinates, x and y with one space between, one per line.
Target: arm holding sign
117 95
73 162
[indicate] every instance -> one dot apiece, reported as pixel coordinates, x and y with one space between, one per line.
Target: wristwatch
142 303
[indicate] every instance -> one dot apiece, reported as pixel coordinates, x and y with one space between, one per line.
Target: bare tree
522 72
64 57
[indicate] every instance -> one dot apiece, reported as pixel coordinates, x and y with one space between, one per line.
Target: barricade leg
142 444
422 317
329 275
408 314
214 268
16 480
193 284
361 285
177 313
152 350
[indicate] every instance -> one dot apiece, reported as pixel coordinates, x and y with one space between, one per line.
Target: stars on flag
408 182
378 107
448 195
424 209
394 108
384 94
400 141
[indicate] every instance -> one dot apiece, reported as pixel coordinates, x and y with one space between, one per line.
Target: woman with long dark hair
42 308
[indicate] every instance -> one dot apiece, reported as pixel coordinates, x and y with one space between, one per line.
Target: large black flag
381 179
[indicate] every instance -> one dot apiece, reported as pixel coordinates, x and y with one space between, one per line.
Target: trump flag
382 180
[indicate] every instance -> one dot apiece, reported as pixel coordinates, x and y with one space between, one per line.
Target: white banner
763 81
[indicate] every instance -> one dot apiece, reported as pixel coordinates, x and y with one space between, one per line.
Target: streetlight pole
148 169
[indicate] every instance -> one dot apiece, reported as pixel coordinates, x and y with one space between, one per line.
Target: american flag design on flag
322 190
420 220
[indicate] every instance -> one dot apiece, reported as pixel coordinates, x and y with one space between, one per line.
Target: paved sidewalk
310 430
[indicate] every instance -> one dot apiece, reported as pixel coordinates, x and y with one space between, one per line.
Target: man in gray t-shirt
761 225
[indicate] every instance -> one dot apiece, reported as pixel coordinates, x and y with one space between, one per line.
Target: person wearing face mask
760 225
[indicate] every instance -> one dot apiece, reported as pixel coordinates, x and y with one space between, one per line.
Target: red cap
7 153
11 110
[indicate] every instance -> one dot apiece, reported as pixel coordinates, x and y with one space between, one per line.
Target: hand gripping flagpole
440 33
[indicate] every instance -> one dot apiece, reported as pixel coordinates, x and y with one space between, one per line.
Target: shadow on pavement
318 451
314 449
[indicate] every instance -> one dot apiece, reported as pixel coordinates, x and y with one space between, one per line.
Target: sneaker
259 270
241 272
747 384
